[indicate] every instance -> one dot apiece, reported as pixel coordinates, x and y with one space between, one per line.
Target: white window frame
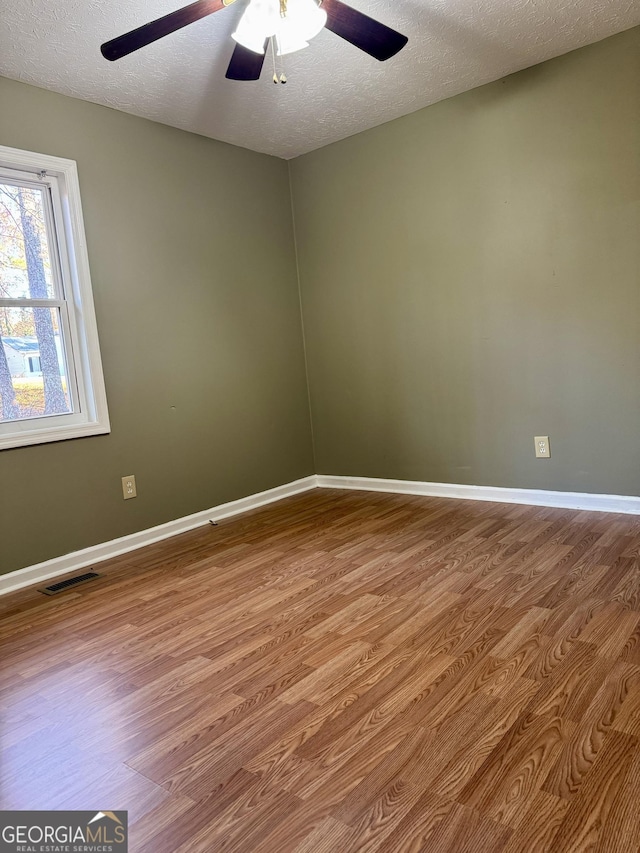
84 374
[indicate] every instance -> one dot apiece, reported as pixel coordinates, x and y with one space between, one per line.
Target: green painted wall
470 278
193 268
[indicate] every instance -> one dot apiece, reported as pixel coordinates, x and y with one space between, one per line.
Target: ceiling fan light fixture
293 22
263 19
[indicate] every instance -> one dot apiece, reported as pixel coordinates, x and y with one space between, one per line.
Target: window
51 383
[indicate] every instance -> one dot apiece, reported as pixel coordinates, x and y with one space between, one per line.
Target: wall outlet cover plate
129 487
543 449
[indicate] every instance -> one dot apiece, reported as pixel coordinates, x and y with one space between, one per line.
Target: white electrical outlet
129 487
543 450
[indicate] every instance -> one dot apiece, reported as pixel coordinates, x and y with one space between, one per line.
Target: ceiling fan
288 24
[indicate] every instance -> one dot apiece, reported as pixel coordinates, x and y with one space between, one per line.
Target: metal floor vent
62 585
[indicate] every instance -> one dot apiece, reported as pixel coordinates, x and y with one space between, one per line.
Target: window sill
43 436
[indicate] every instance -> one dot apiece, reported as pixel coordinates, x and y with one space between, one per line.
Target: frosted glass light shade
303 21
259 22
289 41
305 18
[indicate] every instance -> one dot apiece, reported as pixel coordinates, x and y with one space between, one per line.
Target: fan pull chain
283 77
273 57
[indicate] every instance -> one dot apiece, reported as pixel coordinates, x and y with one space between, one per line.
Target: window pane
25 262
33 380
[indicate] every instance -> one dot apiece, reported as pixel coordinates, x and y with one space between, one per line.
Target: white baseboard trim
106 550
498 494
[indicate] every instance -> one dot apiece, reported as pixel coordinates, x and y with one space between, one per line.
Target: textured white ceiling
334 90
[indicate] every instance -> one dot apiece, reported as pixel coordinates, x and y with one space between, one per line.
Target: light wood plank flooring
342 672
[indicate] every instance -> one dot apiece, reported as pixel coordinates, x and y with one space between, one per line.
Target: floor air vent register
64 585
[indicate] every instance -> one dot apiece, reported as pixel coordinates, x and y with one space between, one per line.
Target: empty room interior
319 426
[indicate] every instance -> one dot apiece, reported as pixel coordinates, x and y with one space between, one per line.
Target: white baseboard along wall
106 550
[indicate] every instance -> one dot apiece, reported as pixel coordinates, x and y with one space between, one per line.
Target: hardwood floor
342 672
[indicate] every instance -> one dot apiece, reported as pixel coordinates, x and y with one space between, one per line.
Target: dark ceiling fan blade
154 30
245 64
374 38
